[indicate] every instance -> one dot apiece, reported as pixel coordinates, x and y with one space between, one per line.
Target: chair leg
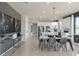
61 48
48 46
66 47
42 46
39 44
54 46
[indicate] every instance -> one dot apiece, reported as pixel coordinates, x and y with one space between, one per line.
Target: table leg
70 44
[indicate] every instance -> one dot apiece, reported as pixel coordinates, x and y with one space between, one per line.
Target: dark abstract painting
9 24
17 25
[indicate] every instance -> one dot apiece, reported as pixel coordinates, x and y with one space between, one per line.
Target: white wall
25 27
72 27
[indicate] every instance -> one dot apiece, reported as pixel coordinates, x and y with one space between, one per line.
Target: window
77 25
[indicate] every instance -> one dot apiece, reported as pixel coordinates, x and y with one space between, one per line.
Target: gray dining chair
63 43
42 43
52 43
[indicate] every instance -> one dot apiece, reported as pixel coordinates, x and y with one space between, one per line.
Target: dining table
59 38
46 37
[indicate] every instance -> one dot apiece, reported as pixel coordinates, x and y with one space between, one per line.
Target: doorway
34 29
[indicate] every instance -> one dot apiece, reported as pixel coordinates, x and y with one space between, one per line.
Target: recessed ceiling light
44 11
57 12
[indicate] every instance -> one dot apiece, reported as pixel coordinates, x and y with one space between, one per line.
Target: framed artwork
17 25
47 28
9 24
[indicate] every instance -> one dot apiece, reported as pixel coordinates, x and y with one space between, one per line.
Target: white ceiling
43 11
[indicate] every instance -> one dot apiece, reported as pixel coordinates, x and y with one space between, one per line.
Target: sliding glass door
77 25
76 29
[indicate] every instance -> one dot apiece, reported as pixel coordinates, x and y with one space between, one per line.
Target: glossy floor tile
30 48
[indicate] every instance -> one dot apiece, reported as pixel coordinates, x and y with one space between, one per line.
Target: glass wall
10 29
77 25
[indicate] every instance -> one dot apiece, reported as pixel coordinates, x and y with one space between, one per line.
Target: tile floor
30 48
